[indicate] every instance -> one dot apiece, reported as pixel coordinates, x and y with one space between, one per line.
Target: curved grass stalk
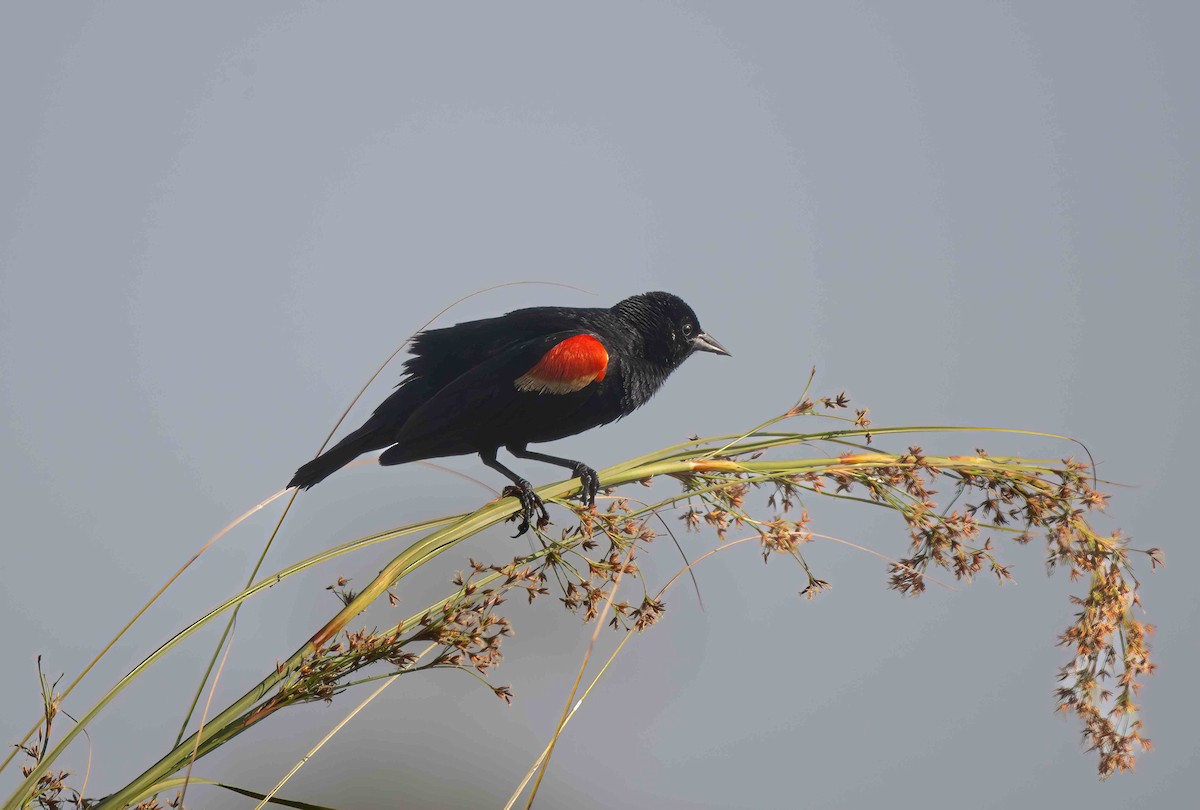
312 752
538 766
216 731
246 712
587 656
233 601
141 612
703 477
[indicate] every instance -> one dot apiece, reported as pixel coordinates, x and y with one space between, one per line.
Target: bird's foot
532 508
589 483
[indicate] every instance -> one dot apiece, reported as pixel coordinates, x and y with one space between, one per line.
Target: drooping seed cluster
1109 654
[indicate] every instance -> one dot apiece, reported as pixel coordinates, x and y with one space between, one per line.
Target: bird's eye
687 330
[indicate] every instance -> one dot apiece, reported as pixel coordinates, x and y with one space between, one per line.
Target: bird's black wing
465 345
510 397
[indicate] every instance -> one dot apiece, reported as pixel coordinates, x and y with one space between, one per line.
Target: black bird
533 375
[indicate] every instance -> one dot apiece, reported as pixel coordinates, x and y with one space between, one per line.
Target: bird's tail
363 440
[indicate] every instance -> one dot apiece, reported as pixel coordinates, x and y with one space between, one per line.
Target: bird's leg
589 482
522 490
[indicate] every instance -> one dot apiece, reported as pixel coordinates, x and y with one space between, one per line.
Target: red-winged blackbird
533 375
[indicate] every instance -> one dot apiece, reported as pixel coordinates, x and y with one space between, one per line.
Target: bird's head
669 329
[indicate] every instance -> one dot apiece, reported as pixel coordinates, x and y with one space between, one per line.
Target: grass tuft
759 484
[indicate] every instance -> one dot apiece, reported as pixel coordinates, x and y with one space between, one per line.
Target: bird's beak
704 343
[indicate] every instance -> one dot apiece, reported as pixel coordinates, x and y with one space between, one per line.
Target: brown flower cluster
51 791
1024 499
465 627
585 578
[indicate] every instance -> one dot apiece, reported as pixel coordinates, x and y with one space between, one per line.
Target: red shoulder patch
571 365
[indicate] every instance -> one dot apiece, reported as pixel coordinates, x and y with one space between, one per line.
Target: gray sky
216 220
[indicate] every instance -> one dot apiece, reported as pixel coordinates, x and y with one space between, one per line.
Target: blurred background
217 220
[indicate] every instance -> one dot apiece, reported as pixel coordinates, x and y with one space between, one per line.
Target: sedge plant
759 484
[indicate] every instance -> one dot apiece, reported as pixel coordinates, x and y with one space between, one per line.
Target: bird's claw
589 483
531 507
